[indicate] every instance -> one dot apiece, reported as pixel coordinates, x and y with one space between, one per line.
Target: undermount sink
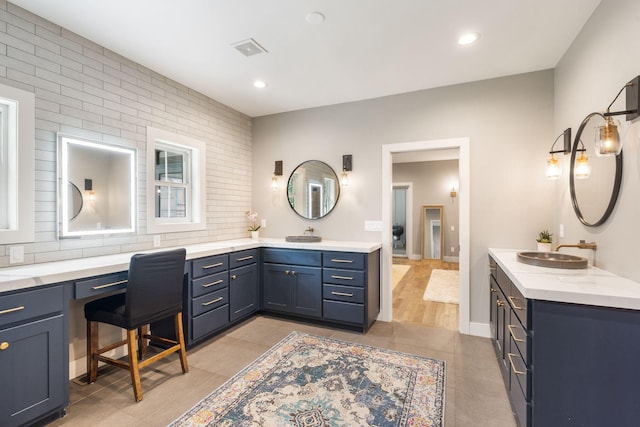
303 239
552 260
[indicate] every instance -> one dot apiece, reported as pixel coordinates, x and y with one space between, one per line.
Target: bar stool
154 292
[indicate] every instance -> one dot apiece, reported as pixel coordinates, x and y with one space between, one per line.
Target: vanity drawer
208 322
519 370
349 260
210 283
242 258
519 337
343 311
343 293
343 277
210 265
209 301
30 304
518 304
295 257
100 285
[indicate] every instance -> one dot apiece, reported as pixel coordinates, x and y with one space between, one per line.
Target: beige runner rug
397 273
443 286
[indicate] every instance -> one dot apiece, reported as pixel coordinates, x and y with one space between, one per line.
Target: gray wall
601 60
432 186
509 121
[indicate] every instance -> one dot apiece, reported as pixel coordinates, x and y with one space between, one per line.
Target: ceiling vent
249 47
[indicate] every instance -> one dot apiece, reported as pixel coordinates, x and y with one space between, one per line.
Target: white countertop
591 286
28 276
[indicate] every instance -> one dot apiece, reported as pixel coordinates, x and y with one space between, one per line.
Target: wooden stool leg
142 341
180 338
133 364
92 350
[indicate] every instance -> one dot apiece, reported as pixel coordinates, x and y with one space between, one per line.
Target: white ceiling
364 48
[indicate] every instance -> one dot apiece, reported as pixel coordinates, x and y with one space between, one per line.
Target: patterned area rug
311 381
443 286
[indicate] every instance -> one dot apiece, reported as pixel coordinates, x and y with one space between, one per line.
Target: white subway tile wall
84 89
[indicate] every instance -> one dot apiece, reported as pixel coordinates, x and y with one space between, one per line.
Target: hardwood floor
408 305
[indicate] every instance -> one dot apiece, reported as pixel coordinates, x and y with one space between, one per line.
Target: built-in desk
34 309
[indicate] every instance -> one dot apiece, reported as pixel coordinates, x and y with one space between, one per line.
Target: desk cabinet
244 284
32 356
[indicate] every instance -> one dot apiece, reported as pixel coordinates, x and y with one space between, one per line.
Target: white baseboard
79 366
415 257
479 329
451 259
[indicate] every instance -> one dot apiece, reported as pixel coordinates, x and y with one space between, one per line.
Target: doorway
461 146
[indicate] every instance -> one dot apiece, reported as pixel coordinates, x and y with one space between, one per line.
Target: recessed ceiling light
260 84
468 38
315 18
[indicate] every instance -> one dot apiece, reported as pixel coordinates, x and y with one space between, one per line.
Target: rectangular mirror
96 187
432 238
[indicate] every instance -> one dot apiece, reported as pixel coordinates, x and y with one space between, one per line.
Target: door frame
464 197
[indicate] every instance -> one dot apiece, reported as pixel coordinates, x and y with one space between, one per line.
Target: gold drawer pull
500 303
4 345
341 277
217 264
348 261
246 258
513 335
204 304
342 294
217 282
11 310
513 368
517 307
108 285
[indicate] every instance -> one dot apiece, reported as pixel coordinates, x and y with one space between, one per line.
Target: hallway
408 305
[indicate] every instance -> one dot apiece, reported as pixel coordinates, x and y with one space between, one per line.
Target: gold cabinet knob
234 277
500 303
4 345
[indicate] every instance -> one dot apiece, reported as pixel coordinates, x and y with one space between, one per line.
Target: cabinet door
30 374
307 290
243 291
276 287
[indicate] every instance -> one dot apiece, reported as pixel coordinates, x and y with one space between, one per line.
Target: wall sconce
553 165
582 168
607 139
453 193
277 171
347 166
88 186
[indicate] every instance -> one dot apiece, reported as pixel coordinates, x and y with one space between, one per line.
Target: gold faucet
308 230
581 245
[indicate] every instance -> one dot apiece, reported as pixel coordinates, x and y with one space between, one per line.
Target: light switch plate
156 241
373 226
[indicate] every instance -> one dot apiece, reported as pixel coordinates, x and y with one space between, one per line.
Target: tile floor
475 394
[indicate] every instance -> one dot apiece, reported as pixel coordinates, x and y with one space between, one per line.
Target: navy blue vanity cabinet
244 284
33 356
292 281
351 288
498 319
207 301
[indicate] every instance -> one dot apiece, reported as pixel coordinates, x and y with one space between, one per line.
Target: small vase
544 247
255 234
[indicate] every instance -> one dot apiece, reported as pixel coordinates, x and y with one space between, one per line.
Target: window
17 130
176 190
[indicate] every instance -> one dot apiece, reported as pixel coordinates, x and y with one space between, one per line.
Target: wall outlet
373 226
156 241
453 249
263 223
561 230
453 228
16 254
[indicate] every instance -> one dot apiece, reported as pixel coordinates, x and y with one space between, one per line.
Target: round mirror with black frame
594 197
313 189
75 201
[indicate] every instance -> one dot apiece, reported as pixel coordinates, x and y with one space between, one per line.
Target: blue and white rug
311 381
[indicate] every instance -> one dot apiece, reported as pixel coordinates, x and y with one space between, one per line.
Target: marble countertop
32 275
591 286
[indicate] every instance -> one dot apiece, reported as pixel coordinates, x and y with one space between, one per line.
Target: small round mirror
313 189
75 201
594 197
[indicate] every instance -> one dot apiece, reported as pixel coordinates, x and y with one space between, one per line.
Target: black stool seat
154 292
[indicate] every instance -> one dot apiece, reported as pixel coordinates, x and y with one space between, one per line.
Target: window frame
18 194
194 181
